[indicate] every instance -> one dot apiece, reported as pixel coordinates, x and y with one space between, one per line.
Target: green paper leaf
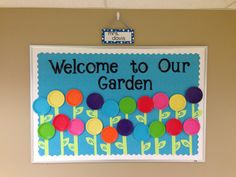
47 118
116 119
197 114
165 115
177 145
182 113
41 145
119 145
66 141
90 141
104 147
185 143
79 110
140 118
162 144
71 147
147 146
90 113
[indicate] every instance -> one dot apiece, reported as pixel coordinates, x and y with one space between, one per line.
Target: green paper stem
41 117
176 114
108 149
111 124
142 147
190 145
126 116
108 144
173 139
76 149
95 144
124 139
61 142
56 111
160 115
193 111
74 112
46 150
156 141
145 118
190 136
96 113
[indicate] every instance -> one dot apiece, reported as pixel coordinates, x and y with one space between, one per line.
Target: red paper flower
145 104
61 122
174 127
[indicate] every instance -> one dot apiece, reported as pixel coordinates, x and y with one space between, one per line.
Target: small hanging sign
117 36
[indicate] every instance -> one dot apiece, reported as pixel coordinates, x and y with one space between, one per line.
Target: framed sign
118 103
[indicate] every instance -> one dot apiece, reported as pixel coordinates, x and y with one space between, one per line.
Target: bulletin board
118 103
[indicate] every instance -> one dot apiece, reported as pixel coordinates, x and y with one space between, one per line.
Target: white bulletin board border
36 49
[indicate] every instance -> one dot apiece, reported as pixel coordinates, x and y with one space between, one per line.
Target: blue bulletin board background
169 83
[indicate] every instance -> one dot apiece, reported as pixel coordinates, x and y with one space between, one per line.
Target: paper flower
74 98
161 101
144 105
109 134
174 128
125 128
157 130
76 127
45 131
141 134
56 99
178 103
127 105
110 108
194 95
41 106
94 127
95 101
61 123
191 127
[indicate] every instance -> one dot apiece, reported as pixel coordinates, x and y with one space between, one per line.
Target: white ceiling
123 4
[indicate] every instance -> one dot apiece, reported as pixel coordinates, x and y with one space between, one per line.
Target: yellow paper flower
56 98
94 126
177 102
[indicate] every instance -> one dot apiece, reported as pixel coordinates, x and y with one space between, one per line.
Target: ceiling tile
53 3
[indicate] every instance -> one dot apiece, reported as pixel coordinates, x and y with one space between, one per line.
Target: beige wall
19 28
